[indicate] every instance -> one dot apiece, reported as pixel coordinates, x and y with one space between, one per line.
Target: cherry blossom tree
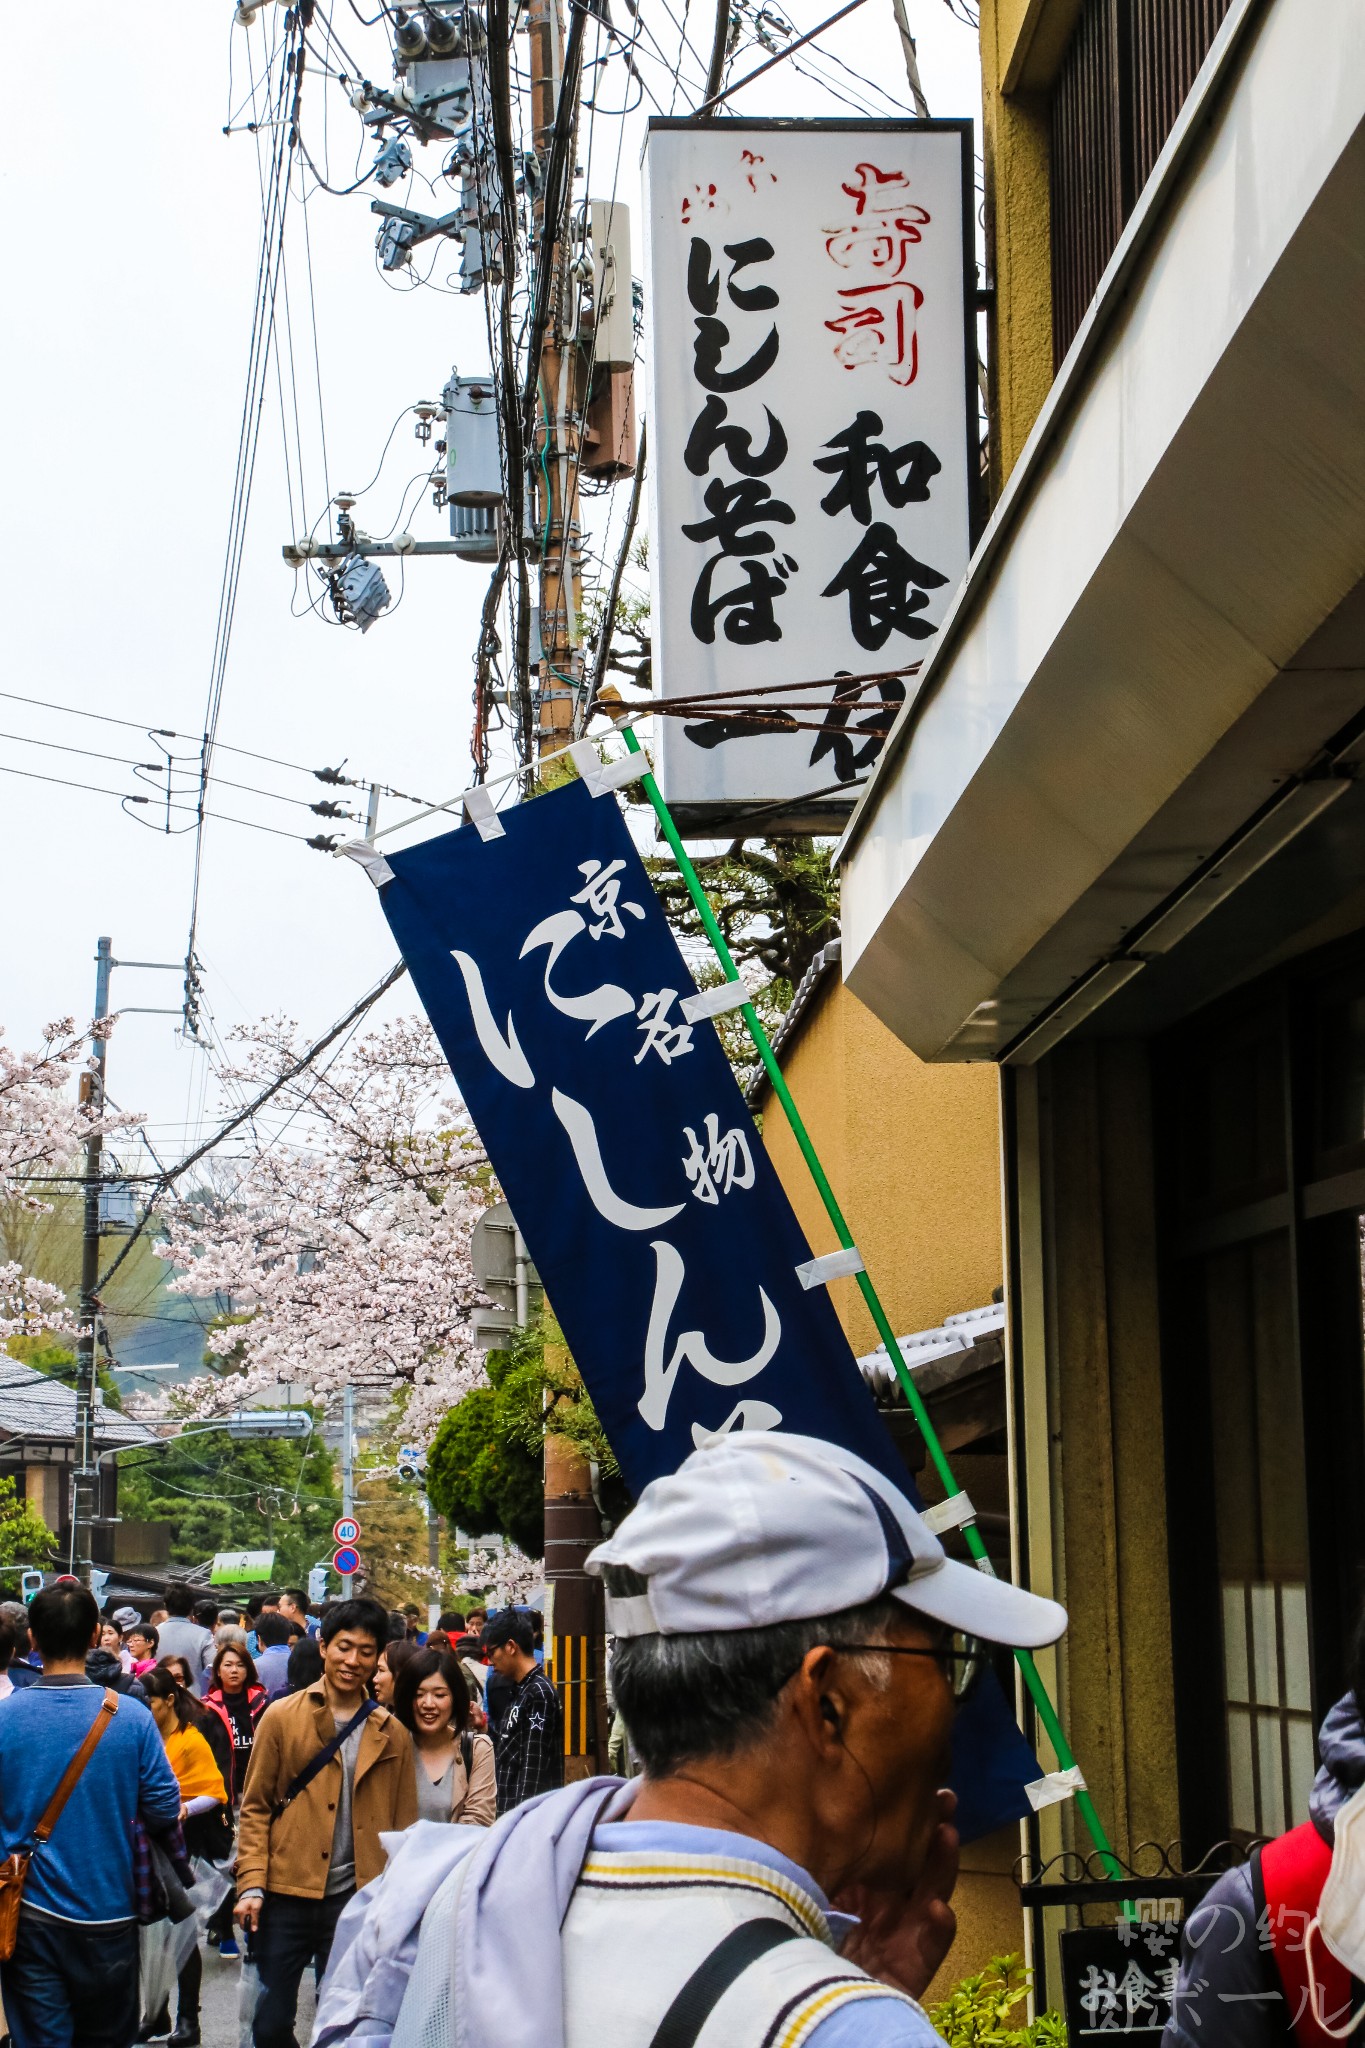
43 1125
342 1251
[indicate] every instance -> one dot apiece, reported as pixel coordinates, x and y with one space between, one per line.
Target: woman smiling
455 1776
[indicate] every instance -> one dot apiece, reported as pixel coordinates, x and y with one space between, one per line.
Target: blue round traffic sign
347 1561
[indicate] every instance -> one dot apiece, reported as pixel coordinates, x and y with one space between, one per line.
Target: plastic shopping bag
211 1886
248 1994
156 1967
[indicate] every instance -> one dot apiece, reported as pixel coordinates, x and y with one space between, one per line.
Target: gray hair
686 1697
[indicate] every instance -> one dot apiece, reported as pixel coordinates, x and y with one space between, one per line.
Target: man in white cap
791 1644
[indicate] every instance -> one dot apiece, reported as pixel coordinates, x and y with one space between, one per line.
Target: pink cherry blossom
344 1243
43 1127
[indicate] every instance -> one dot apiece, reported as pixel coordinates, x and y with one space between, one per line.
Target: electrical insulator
443 33
409 35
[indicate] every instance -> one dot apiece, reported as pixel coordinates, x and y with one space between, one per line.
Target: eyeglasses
961 1659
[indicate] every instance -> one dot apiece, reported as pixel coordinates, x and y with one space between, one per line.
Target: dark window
1125 77
1260 1118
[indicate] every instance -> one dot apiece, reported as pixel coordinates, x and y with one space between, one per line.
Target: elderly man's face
892 1751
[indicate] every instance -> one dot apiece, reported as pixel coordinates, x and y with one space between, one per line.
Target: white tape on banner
370 858
714 1002
478 808
1057 1785
604 776
953 1513
833 1266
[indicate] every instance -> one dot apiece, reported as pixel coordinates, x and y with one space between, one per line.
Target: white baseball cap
761 1527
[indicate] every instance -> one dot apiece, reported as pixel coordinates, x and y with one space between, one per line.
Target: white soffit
1189 509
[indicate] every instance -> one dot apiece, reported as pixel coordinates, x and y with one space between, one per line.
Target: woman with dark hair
455 1772
394 1655
234 1701
305 1665
204 1814
143 1644
182 1672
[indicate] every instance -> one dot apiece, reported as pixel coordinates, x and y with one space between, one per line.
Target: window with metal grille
1127 71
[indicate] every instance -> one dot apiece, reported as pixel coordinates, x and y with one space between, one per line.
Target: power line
127 797
291 1072
166 732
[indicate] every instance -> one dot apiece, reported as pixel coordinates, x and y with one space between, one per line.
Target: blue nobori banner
667 1246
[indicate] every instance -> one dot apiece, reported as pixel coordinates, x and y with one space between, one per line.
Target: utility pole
560 417
85 1472
348 1473
575 1621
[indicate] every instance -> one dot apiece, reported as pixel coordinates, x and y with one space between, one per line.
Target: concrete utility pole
85 1472
348 1473
560 412
575 1625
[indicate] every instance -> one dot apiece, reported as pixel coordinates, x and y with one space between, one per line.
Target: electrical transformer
473 460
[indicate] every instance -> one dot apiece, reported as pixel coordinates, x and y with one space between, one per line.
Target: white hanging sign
813 434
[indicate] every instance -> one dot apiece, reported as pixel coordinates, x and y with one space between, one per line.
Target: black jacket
102 1667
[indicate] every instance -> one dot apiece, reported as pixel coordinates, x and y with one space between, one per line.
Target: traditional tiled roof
42 1410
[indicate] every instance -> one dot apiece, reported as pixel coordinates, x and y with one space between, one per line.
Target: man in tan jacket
330 1771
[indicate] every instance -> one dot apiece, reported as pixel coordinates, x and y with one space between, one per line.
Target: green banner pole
1038 1692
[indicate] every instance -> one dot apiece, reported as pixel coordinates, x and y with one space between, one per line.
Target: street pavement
219 2020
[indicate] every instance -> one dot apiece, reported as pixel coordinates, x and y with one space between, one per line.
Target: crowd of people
253 1756
791 1648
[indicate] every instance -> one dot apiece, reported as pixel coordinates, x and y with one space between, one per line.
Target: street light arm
202 1429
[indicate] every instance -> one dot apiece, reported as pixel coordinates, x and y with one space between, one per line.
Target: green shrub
983 2011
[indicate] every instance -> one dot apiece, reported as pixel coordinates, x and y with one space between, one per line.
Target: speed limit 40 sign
346 1530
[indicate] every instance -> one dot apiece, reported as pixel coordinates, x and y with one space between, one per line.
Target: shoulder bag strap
324 1755
712 1978
52 1812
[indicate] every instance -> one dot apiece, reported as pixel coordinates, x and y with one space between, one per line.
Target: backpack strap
324 1756
1292 1871
714 1975
52 1812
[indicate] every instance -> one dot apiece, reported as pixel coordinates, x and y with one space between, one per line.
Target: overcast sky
133 225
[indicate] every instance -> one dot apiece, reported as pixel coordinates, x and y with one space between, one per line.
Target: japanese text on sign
811 435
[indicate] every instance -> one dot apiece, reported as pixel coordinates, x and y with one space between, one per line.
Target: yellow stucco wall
912 1152
1021 42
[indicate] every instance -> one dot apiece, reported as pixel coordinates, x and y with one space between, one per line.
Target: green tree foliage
219 1493
481 1473
776 901
48 1244
984 2011
485 1469
25 1538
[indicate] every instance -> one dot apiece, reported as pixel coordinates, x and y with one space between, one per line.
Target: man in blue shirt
73 1977
272 1658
